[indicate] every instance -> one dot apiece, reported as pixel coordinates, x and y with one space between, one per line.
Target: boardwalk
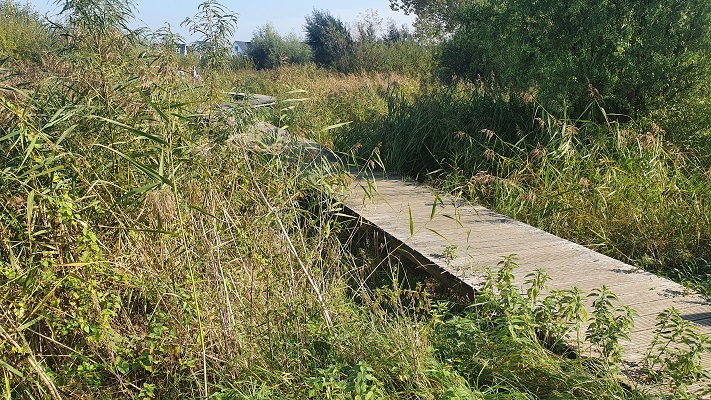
455 241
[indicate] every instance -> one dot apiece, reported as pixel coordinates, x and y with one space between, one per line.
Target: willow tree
328 37
215 24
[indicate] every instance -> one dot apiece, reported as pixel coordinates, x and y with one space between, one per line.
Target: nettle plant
609 323
556 317
674 357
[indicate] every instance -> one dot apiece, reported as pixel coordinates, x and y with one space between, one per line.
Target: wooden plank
428 225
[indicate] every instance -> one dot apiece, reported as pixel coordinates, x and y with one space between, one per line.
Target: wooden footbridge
456 241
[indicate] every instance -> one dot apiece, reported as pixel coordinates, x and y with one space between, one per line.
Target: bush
630 57
328 37
271 50
405 57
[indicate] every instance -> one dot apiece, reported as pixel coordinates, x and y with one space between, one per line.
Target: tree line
627 57
370 45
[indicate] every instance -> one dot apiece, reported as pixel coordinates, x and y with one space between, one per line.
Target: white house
240 48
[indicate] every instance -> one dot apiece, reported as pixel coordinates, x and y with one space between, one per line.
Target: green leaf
412 224
132 129
30 211
146 170
334 126
12 369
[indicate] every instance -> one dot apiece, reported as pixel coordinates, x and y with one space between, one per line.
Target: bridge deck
456 241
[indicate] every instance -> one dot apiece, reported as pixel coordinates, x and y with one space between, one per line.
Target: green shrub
506 341
629 57
405 57
271 50
328 37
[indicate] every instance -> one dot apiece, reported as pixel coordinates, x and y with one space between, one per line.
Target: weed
505 341
674 356
143 255
609 324
450 252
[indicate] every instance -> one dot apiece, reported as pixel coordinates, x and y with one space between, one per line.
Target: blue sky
287 16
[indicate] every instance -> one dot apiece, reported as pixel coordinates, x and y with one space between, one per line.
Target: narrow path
456 241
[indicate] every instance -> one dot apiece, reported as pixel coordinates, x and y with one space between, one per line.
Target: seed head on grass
488 133
162 204
489 154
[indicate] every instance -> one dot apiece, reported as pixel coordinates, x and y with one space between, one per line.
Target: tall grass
141 258
314 99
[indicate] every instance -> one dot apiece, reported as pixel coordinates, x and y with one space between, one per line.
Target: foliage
368 28
324 98
609 324
96 17
394 34
376 48
404 57
434 17
630 57
166 39
674 356
271 50
138 259
501 341
95 26
215 25
23 35
328 37
149 266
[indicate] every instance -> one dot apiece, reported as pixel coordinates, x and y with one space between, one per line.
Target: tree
395 34
434 17
629 56
216 26
328 37
369 27
271 50
296 51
